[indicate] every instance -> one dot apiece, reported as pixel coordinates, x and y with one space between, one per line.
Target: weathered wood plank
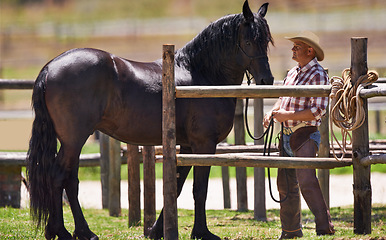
114 201
374 90
324 151
169 144
251 91
16 84
260 210
241 172
19 159
134 187
360 146
229 149
149 201
257 160
373 159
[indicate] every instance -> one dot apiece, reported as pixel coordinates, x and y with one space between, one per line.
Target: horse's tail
41 155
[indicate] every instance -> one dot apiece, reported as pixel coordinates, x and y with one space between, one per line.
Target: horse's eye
248 43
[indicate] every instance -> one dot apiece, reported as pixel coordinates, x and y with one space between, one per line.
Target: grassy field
16 224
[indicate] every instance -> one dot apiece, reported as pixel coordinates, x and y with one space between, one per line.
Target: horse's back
89 89
79 84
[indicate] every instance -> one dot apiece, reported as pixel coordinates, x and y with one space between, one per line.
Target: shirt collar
308 66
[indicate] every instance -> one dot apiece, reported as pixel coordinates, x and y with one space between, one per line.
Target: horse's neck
210 56
213 70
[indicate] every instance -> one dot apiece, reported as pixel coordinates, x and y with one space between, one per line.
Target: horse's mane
211 48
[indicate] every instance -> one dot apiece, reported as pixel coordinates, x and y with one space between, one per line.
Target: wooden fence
360 141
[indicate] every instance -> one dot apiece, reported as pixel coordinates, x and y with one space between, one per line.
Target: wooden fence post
360 146
225 187
104 171
149 211
241 172
134 189
114 178
324 151
260 211
378 121
169 144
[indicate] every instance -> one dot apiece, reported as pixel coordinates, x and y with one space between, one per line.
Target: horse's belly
133 129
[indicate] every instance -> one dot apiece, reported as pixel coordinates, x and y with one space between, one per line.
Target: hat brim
318 49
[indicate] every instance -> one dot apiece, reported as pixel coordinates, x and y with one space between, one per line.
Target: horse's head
253 40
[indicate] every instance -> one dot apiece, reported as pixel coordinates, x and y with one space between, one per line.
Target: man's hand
281 115
267 119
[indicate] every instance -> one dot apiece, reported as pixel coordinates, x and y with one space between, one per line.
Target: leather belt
290 130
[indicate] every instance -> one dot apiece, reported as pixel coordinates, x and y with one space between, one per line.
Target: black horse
84 90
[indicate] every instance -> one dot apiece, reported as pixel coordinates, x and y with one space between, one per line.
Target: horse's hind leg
55 225
82 231
71 185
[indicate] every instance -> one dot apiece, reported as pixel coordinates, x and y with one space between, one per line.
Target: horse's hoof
84 235
61 236
154 234
69 237
206 235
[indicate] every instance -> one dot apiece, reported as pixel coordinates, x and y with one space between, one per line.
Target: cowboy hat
310 39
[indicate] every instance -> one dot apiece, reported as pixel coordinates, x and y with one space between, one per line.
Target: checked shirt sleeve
318 105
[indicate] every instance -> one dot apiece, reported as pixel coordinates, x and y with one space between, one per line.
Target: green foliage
228 224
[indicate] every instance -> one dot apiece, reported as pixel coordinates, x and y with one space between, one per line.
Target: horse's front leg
200 190
157 230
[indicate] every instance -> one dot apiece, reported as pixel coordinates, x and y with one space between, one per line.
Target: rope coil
346 106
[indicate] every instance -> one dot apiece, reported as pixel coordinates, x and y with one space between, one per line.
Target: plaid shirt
310 74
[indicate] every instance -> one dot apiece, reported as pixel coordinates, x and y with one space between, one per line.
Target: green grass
228 224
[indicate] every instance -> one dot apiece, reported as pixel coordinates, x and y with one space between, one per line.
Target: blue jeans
286 139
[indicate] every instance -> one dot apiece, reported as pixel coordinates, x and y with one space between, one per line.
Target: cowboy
300 137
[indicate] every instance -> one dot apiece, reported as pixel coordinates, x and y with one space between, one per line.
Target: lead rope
267 142
346 107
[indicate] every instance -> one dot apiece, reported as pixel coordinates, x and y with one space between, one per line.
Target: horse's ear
263 10
248 15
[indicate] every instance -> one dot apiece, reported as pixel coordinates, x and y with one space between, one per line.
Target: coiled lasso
346 106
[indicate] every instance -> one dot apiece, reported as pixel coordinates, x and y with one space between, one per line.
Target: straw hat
310 39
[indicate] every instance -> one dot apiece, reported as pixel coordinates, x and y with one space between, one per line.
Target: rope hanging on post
346 106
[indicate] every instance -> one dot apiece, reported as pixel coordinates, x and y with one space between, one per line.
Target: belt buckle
287 130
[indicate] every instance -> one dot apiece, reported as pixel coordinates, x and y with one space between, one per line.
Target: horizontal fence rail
93 159
243 91
16 84
19 159
258 160
376 89
250 91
